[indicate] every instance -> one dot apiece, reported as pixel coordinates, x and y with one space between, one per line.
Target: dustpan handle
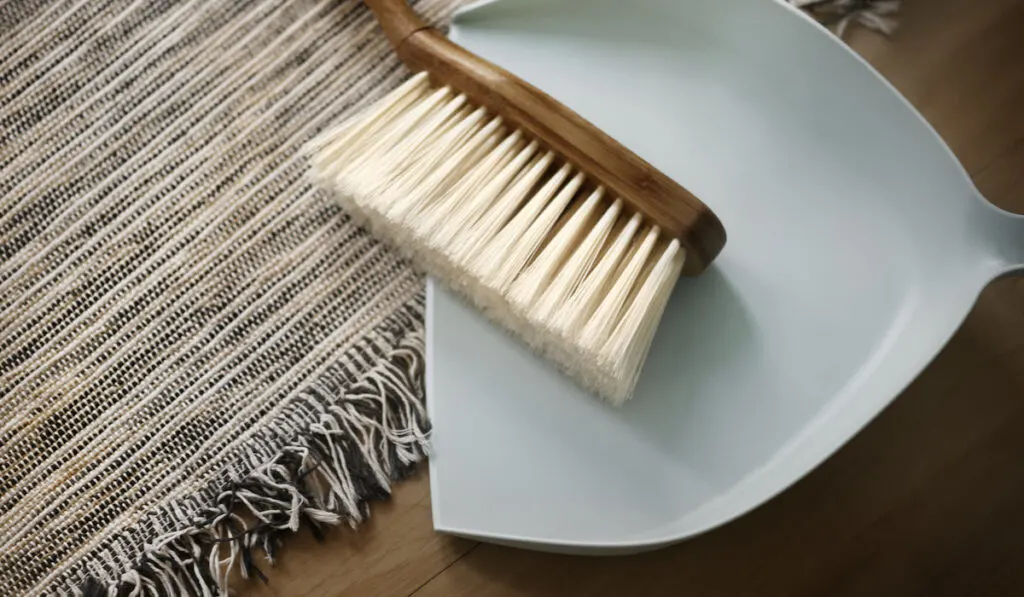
1002 236
1009 236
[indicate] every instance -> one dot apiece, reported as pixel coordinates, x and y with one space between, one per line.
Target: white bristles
472 220
426 210
599 282
339 142
607 314
577 275
523 246
534 281
580 259
497 216
464 201
627 348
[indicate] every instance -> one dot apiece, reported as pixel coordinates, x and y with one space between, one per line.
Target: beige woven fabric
187 327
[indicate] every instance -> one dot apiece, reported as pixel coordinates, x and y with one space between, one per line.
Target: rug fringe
365 436
877 15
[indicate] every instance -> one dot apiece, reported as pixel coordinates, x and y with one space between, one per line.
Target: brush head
520 233
605 161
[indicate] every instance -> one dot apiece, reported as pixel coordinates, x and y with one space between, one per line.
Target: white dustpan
857 245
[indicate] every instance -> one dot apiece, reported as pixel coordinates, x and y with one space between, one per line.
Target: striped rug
198 350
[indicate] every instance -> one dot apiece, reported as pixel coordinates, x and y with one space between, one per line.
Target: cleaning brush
550 227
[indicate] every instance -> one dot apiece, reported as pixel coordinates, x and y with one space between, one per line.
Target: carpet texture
198 350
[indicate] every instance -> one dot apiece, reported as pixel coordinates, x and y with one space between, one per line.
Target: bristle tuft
507 225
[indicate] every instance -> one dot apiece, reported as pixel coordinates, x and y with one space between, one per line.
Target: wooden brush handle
603 159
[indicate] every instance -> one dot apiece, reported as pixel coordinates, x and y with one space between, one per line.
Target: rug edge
358 439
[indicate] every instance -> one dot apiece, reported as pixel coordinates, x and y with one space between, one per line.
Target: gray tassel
877 15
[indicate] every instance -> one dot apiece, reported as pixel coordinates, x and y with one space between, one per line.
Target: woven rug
198 350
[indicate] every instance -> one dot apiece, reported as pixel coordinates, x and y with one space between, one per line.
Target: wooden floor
928 500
